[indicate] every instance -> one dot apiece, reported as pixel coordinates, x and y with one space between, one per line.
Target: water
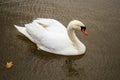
101 61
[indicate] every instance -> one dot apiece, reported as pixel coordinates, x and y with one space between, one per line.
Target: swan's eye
83 27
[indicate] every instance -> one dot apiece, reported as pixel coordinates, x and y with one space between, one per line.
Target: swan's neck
75 41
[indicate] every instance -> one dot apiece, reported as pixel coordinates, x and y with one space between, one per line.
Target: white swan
51 36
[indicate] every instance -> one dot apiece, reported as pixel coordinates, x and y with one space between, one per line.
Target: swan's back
51 25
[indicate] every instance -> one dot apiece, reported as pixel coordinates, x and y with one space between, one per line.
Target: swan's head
78 25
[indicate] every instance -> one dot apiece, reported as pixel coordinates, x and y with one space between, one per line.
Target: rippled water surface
102 58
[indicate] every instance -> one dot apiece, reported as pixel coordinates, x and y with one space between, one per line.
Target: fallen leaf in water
9 64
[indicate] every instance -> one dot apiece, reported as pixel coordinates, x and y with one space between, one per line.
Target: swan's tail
23 31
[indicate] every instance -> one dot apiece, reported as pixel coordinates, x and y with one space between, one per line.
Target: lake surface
101 60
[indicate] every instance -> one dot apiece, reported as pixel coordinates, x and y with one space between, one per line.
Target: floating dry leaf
9 64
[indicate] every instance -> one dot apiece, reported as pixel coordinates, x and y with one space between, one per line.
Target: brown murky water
101 61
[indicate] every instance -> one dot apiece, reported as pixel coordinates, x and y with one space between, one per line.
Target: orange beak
84 31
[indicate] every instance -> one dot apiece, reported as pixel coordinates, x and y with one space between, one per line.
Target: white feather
51 36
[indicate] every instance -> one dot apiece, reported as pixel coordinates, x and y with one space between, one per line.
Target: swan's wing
40 27
52 42
51 25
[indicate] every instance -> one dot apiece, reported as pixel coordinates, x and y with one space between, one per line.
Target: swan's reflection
69 66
